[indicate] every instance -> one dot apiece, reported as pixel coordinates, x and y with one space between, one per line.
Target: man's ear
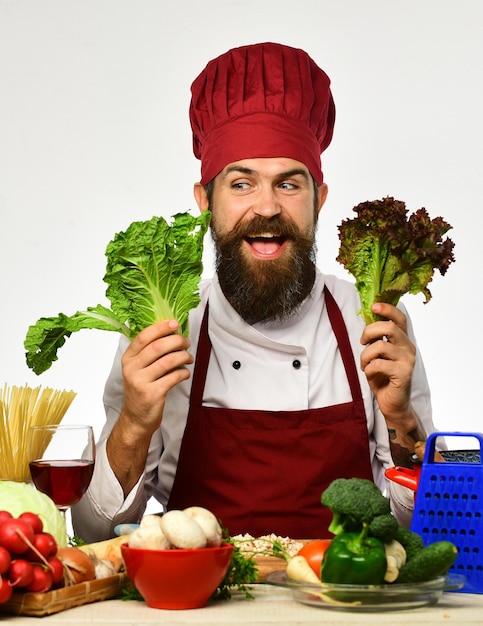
323 190
200 197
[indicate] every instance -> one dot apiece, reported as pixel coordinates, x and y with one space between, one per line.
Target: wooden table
271 605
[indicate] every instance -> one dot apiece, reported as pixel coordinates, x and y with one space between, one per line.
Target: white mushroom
208 523
150 520
150 537
182 530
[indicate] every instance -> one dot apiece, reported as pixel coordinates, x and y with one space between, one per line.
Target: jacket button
296 364
236 365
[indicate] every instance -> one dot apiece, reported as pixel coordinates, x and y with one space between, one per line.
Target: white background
94 134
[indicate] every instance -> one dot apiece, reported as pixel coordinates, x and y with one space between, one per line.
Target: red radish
34 520
42 580
5 590
56 569
5 560
4 515
44 545
21 573
16 535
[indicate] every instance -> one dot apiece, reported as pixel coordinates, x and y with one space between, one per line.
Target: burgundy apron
263 472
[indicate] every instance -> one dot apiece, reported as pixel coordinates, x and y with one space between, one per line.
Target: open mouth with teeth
266 245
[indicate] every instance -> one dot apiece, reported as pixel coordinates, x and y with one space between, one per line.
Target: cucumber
432 561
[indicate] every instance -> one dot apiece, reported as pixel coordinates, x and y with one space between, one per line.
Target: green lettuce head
18 498
153 272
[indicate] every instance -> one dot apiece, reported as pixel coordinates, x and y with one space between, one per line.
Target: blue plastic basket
449 506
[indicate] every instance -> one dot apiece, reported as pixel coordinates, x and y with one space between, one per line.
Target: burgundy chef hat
261 100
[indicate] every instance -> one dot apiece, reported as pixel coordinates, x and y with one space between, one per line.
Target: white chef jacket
264 379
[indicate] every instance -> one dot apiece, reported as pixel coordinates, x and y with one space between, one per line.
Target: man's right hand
154 363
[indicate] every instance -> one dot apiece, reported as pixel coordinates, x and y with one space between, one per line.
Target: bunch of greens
390 254
242 571
153 273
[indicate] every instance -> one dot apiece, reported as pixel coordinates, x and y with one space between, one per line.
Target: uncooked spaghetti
21 408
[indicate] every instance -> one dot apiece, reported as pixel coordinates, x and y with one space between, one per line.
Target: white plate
388 597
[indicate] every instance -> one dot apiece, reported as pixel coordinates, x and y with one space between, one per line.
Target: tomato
313 552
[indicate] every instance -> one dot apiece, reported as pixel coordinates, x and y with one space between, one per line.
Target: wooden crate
39 604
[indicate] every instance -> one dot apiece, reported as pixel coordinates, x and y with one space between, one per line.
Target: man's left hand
388 361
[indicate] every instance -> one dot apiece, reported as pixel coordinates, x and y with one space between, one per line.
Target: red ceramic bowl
177 579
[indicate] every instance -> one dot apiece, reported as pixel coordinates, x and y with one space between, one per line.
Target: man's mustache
258 226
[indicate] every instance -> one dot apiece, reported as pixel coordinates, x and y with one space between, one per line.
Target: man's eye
239 185
287 185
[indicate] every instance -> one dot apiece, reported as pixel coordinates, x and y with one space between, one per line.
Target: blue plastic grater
449 506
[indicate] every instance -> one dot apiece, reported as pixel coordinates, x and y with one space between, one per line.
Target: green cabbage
17 498
153 272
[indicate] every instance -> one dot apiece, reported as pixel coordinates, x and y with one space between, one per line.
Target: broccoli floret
411 542
353 502
383 527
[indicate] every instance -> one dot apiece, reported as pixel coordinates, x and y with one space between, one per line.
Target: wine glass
62 461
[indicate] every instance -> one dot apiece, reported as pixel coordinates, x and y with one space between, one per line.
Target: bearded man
280 388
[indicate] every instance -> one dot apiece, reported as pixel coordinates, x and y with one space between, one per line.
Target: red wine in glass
62 460
65 482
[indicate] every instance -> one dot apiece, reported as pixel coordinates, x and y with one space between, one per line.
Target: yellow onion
78 566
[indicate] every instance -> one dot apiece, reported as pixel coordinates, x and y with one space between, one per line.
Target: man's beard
270 290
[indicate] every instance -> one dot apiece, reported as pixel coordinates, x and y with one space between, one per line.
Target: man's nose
266 204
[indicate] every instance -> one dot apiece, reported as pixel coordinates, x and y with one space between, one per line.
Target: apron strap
345 348
203 352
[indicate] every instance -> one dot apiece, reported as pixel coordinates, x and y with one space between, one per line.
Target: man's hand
388 362
154 363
